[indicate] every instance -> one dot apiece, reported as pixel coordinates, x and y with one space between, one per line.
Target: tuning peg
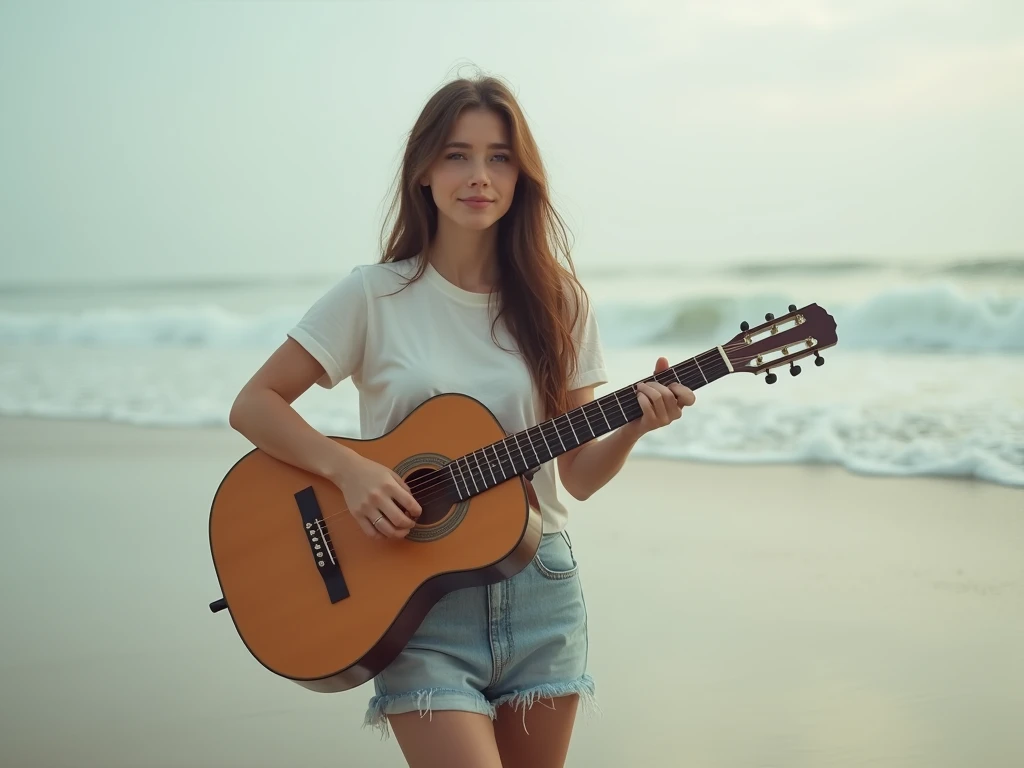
792 307
769 316
744 326
771 378
818 359
794 369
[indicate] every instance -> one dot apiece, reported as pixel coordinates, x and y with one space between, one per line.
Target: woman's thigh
446 739
538 737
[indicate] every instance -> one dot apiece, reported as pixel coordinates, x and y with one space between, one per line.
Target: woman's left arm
589 467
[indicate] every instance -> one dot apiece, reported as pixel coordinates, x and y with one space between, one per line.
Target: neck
465 257
523 452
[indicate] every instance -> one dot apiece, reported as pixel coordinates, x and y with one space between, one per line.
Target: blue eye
454 155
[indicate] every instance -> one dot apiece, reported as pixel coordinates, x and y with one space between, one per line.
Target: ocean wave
168 326
875 413
979 443
920 318
1011 266
932 318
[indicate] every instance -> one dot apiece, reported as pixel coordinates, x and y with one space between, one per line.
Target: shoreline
77 426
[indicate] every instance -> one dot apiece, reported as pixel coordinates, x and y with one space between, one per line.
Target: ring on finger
379 518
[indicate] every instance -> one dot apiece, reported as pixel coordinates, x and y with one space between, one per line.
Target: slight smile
476 202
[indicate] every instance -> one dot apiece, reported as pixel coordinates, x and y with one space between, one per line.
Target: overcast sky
190 139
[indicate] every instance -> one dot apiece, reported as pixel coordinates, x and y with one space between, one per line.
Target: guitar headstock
784 340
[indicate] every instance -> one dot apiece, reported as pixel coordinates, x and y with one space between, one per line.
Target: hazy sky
186 139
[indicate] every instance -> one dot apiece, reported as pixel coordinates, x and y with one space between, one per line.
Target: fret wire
526 463
511 461
489 466
574 435
480 468
496 459
701 370
558 433
484 465
469 468
586 418
603 414
476 457
545 439
451 469
620 405
529 440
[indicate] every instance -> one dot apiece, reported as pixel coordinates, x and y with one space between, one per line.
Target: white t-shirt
430 338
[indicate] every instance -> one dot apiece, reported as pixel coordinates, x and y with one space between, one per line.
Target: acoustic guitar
318 602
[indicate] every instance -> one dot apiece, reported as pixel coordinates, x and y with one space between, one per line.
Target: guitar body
332 620
317 601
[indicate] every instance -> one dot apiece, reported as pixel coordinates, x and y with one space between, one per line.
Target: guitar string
551 434
551 429
441 478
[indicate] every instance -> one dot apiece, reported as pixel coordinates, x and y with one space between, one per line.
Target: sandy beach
780 616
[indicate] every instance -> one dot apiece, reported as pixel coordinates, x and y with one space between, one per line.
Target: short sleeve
333 329
590 370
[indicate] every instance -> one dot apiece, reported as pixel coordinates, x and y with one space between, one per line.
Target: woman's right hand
377 498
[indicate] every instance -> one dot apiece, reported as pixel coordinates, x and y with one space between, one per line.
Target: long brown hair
539 295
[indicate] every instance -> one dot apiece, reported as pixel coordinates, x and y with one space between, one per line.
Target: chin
475 222
479 223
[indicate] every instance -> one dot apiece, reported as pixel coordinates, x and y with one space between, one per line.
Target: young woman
475 293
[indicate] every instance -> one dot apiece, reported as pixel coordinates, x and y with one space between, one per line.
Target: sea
926 377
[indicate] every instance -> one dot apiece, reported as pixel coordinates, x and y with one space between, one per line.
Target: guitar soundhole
441 514
434 509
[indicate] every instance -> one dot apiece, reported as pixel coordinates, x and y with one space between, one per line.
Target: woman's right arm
263 413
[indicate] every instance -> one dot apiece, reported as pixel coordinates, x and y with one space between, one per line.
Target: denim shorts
514 642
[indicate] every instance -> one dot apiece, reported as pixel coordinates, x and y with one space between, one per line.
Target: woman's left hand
661 404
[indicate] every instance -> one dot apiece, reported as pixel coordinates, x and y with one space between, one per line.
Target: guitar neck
523 452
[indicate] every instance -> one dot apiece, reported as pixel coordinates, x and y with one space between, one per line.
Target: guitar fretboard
524 451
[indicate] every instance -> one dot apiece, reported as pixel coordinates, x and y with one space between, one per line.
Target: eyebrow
465 145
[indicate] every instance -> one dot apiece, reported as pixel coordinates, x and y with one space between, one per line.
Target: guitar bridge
319 539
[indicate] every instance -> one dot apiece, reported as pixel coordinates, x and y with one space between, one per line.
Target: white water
927 378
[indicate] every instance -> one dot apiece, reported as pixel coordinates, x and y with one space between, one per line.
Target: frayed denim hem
583 687
422 702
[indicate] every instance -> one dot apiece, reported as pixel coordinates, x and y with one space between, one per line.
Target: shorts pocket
554 558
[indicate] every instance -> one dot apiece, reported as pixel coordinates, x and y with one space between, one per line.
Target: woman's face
474 178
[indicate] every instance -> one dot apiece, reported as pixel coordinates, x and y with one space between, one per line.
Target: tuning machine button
769 316
792 307
794 369
770 378
818 359
744 326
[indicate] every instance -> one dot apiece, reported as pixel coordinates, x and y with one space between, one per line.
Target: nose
478 175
